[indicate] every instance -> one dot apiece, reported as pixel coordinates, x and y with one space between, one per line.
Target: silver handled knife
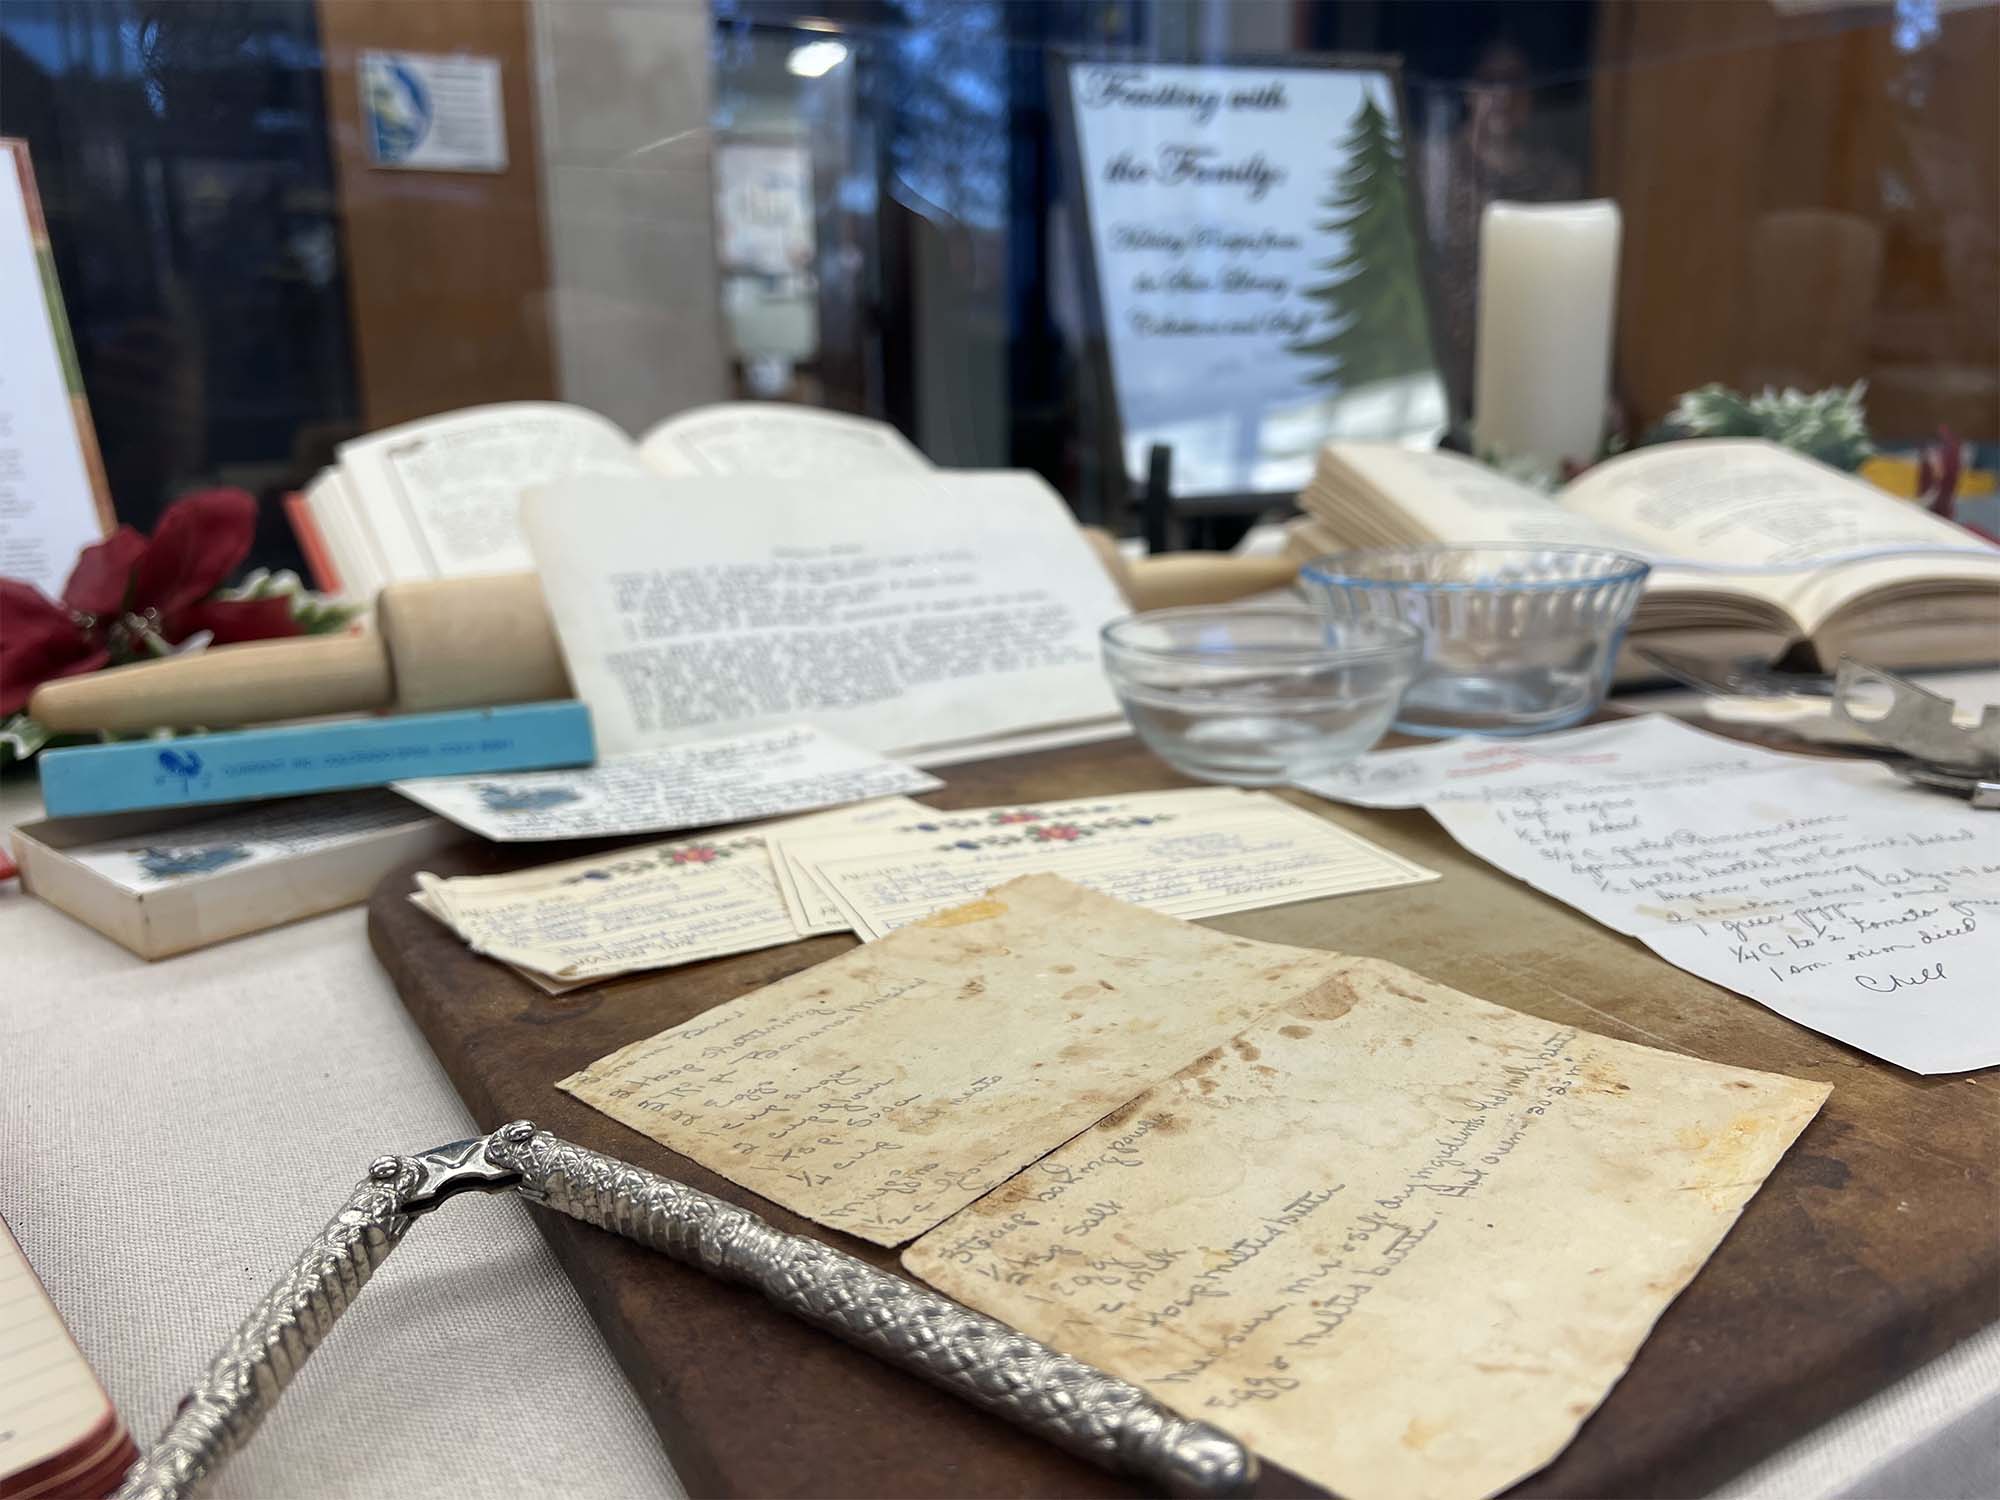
1096 1416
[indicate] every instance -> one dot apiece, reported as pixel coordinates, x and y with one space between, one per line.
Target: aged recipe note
889 1087
1398 1239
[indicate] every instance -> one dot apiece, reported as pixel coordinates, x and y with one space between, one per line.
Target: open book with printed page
440 497
932 617
1756 549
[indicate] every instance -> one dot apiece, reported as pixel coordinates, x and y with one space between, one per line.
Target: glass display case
640 207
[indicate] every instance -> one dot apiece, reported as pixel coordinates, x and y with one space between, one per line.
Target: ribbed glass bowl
1517 639
1257 696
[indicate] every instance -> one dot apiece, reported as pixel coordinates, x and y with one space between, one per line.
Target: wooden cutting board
1874 1247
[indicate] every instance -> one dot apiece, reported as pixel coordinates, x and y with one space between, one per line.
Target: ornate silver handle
244 1381
1097 1416
1103 1419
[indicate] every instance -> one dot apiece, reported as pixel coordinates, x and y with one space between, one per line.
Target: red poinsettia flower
127 584
39 641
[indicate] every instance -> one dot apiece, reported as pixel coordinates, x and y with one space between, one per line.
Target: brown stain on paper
983 910
1417 1436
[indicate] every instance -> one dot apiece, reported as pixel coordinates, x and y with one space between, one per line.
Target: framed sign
53 498
1252 262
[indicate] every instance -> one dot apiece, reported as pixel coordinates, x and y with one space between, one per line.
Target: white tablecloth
171 1134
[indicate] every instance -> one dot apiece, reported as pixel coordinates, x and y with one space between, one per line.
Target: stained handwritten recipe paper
885 1089
698 785
1831 892
1396 1238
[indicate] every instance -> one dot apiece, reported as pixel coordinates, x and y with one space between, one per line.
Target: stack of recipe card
881 865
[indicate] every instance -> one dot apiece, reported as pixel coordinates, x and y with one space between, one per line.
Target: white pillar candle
1548 288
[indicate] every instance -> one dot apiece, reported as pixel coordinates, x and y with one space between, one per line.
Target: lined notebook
59 1433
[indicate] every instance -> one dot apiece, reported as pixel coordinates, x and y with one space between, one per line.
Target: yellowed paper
799 846
628 909
811 910
1397 1239
431 907
889 1087
1261 851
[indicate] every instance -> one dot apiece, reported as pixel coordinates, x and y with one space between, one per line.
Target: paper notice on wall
1393 1237
426 112
1830 891
902 613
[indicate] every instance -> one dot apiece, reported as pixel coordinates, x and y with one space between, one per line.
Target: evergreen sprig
1829 425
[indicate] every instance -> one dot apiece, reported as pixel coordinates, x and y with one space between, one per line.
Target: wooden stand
1874 1247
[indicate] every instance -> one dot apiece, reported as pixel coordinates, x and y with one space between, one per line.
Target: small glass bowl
1258 696
1517 639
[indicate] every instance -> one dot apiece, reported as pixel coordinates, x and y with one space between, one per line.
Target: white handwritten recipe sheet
1830 891
1396 1238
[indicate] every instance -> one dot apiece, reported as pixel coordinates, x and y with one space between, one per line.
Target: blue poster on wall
422 112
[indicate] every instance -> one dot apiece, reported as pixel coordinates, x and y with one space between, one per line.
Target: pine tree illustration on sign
1373 297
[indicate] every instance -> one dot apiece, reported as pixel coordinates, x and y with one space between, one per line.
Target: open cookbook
1756 549
743 566
439 498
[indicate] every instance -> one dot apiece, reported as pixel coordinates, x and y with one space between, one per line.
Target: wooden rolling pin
466 643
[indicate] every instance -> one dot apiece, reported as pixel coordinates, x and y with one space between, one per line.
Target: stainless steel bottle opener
1096 1416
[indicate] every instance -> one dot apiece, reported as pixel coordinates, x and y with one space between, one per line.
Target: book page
440 498
1959 600
1453 498
49 1398
794 442
884 1090
1817 888
895 612
1753 503
1395 1238
699 785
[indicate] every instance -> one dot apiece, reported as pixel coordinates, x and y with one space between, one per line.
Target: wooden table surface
1873 1248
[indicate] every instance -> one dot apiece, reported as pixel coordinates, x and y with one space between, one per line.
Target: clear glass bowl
1256 696
1517 639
